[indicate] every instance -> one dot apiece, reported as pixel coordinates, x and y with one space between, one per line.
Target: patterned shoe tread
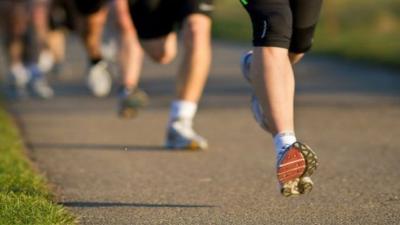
292 165
295 168
290 188
305 185
310 157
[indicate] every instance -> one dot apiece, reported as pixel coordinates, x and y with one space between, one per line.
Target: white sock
182 110
284 140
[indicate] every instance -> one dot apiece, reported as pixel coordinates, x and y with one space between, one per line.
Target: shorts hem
148 36
271 44
299 51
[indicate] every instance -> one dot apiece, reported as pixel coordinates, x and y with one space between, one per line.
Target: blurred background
355 29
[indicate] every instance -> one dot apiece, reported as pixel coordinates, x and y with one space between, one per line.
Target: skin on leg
40 21
273 81
93 30
37 30
196 62
131 53
162 50
56 44
295 57
16 26
194 69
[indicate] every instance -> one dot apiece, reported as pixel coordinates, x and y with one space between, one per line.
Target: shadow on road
160 87
113 147
135 205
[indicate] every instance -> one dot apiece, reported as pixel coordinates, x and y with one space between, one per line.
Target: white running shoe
39 84
18 77
255 104
46 61
42 89
99 79
180 135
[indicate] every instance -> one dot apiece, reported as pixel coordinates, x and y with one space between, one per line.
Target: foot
294 169
99 79
255 104
46 61
180 135
18 78
130 101
39 85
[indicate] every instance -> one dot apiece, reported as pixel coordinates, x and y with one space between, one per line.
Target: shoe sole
128 113
192 146
255 105
305 185
310 157
243 60
295 169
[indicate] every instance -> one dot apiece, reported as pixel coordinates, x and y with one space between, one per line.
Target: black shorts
62 14
284 23
87 7
157 18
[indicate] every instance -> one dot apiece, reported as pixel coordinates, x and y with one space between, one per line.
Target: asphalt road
112 171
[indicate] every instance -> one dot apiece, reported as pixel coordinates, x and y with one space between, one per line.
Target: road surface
112 171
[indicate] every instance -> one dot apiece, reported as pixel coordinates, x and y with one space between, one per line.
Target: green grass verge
24 196
355 29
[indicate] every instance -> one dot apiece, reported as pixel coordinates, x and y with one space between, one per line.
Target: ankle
182 110
283 140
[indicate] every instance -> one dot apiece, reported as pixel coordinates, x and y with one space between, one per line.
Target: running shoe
46 61
255 104
295 166
180 135
39 85
18 78
130 101
99 79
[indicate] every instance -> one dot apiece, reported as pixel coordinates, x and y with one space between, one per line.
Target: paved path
112 171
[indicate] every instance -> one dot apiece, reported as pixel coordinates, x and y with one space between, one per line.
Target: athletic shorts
157 18
87 7
62 14
283 23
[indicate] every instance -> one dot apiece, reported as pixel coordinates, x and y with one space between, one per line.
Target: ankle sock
283 140
182 109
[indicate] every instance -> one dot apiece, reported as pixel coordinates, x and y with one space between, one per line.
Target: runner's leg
194 68
15 26
131 53
131 98
93 32
95 13
272 78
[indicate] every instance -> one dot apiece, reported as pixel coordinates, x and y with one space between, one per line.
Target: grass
24 196
356 29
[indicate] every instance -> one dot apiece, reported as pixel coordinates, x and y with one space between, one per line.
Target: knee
161 50
275 52
163 55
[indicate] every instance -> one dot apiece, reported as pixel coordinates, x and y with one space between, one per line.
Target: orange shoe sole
295 168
